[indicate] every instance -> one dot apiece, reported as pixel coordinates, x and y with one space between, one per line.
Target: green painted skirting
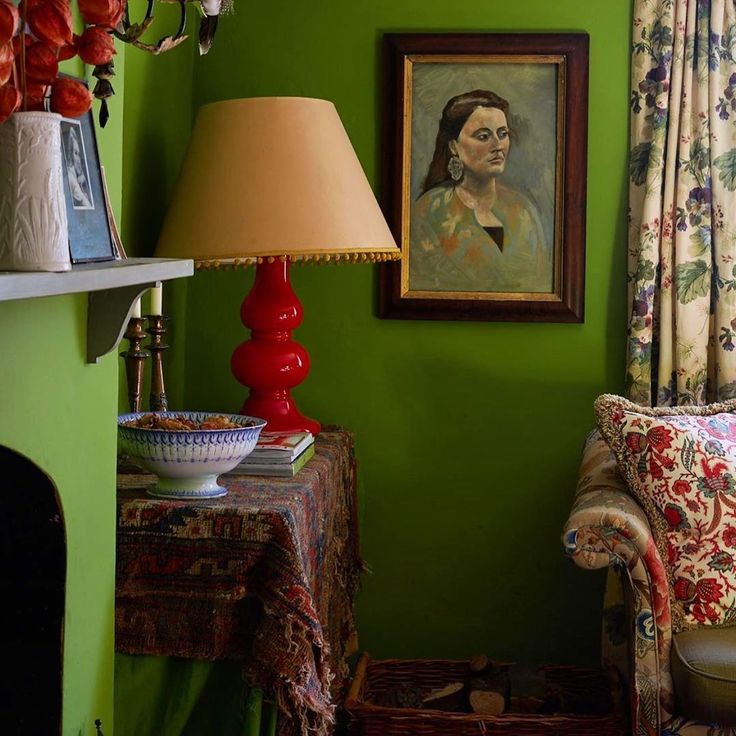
167 696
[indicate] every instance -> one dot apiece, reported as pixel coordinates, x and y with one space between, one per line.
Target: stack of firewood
489 688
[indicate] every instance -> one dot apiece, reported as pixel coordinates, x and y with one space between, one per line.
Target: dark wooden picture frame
87 205
465 265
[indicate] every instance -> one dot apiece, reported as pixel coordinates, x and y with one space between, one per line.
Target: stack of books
278 454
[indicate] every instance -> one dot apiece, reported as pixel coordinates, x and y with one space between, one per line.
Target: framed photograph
87 209
484 176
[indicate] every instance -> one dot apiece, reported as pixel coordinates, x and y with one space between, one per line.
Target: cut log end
479 663
451 697
487 702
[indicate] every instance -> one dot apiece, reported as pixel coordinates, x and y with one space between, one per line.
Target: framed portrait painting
484 176
87 206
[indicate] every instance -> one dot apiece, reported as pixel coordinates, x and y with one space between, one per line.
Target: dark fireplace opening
32 583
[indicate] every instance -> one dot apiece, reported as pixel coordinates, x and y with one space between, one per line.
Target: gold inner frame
559 60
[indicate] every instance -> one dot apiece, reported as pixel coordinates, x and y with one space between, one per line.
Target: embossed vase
33 226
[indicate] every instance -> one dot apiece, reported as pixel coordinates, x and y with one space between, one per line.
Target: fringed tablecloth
265 574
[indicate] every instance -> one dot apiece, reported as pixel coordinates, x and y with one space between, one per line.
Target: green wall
158 116
468 435
158 111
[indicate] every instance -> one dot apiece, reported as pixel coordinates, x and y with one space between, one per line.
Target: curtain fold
682 203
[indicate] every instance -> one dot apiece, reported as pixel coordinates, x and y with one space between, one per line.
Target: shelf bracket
108 312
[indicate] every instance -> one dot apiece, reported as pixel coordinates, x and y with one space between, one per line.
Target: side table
265 575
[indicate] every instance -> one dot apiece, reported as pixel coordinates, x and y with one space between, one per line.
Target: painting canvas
480 135
90 236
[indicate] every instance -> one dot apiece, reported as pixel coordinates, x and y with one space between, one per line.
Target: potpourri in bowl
187 450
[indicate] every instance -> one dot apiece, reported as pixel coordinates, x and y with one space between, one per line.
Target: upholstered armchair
607 528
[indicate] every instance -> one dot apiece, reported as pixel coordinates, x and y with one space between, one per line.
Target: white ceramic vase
33 225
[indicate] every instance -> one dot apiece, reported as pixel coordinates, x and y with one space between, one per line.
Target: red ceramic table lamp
269 181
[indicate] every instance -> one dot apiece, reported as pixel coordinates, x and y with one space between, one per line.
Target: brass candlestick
135 358
157 329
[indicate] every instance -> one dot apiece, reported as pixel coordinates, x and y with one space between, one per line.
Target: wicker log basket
587 696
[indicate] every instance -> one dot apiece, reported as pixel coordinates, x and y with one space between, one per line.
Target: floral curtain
682 198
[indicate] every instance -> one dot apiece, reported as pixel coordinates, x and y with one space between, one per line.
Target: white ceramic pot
33 226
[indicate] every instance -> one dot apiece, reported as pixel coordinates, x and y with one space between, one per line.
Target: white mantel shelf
91 277
112 286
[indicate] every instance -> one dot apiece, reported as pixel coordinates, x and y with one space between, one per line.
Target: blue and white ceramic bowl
188 462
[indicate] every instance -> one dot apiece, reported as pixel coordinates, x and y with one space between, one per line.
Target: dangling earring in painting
455 168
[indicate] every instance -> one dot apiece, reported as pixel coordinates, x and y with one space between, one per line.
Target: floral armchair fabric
607 528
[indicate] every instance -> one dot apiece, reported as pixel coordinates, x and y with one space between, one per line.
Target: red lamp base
271 363
281 414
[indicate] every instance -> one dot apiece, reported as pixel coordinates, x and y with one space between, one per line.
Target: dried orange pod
95 46
25 5
9 21
51 21
6 62
16 43
69 50
9 101
41 63
102 12
70 98
35 98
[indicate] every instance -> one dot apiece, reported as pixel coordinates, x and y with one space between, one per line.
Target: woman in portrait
75 171
469 231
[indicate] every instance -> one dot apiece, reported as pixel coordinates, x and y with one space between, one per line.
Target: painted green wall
158 111
158 116
468 435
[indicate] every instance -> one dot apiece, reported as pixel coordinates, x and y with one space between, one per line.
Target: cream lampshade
270 181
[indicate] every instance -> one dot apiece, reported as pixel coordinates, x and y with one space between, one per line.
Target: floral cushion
680 463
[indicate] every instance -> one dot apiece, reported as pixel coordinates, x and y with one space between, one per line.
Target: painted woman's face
483 143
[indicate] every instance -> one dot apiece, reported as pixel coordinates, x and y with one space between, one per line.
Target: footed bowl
187 462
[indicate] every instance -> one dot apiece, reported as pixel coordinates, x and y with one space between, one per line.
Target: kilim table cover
265 574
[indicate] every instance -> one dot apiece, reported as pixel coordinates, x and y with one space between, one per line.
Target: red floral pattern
682 468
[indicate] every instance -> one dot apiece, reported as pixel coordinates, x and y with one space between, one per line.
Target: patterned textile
681 463
607 528
682 200
265 574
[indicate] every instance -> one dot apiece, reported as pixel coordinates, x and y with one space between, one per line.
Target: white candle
157 299
136 308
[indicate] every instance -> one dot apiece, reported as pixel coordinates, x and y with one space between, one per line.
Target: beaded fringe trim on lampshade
362 257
